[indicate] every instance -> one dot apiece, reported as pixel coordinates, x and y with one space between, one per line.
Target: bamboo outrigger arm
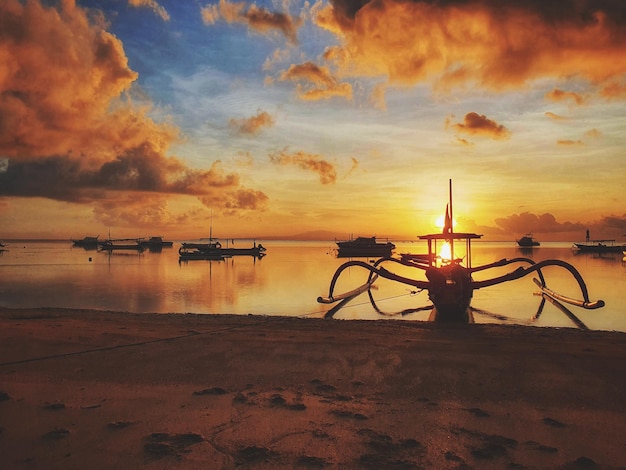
375 271
521 272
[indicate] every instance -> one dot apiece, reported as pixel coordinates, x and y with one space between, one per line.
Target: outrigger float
449 279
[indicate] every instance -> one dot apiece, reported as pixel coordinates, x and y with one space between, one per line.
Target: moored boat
88 243
598 246
155 243
214 250
127 244
528 241
363 247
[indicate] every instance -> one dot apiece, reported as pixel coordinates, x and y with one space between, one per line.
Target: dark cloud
615 222
142 169
529 222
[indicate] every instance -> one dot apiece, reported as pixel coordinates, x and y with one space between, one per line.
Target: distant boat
155 243
88 243
121 244
527 241
363 247
598 246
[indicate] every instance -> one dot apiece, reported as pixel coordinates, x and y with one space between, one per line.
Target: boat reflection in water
449 279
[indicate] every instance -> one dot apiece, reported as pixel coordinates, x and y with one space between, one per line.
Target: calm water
288 281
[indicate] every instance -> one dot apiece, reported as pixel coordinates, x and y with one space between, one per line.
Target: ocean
289 279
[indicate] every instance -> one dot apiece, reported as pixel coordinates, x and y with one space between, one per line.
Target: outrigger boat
598 246
448 278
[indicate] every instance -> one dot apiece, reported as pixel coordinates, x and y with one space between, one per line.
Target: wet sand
100 390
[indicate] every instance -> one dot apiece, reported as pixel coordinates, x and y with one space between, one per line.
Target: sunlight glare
441 222
444 253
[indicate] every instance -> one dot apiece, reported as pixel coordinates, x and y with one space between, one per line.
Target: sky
326 118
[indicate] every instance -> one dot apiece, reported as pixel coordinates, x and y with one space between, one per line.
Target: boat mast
451 241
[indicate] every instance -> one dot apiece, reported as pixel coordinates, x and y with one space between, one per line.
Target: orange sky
156 118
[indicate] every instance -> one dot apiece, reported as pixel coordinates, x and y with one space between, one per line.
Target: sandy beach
100 390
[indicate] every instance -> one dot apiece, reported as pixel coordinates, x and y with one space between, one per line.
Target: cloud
529 222
488 43
69 129
306 161
256 18
141 169
593 133
476 124
570 143
560 95
153 5
254 124
555 117
139 211
233 202
615 222
614 90
320 84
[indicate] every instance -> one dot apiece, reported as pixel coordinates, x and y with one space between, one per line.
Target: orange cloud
593 133
614 90
68 127
320 84
560 95
489 43
306 161
256 18
570 143
153 5
556 117
476 124
254 124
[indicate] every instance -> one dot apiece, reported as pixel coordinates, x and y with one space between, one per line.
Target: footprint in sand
56 433
211 391
553 422
53 406
159 444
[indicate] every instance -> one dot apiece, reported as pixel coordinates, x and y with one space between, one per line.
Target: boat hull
599 248
362 247
450 290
